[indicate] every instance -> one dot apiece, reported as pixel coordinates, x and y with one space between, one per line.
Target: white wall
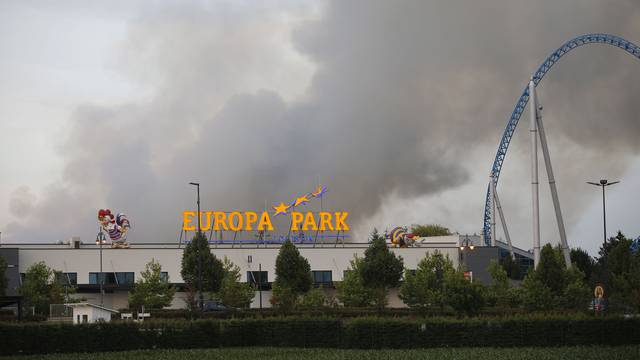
86 259
93 314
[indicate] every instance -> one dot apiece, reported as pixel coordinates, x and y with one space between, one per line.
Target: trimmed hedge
340 312
365 333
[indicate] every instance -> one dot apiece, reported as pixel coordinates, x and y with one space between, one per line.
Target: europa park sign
251 220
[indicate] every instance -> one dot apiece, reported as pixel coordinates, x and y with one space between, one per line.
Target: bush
319 332
314 299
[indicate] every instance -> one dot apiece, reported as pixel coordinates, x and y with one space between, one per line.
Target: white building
80 264
86 313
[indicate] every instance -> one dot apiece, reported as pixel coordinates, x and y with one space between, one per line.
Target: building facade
81 263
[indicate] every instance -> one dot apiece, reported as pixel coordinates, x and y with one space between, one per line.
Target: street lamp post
200 297
464 245
100 239
603 184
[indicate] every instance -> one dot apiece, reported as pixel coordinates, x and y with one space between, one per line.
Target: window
321 276
111 278
257 277
164 276
85 319
70 278
23 276
125 278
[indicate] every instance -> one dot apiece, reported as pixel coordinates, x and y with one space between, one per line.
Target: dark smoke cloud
403 97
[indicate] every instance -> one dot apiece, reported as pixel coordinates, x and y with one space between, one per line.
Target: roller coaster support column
496 203
493 214
552 184
534 173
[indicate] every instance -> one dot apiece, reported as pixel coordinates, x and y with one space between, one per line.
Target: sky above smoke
396 107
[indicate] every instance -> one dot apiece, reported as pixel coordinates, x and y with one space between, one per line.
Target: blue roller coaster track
524 98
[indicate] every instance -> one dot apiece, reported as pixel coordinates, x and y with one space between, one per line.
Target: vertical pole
200 297
604 219
493 212
496 201
199 215
101 277
534 173
260 284
552 187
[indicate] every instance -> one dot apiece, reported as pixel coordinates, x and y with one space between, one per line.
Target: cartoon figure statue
399 237
116 227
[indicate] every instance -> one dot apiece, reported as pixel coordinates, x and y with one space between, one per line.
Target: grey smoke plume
408 99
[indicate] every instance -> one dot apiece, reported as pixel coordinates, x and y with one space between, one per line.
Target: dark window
23 276
70 278
346 273
164 276
257 277
321 276
125 278
85 319
110 278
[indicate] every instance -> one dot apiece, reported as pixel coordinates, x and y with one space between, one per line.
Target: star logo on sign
281 209
321 190
301 200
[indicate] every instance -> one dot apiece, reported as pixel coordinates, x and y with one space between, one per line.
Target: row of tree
434 284
438 284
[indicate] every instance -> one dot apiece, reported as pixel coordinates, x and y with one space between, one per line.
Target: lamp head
603 182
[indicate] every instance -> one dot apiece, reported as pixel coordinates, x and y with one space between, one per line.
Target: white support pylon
493 214
496 203
552 186
534 173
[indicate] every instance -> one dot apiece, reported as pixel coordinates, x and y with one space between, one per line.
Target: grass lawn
580 352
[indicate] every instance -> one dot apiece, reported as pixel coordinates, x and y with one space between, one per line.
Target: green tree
622 268
3 277
583 261
381 269
375 235
212 271
535 294
551 285
511 267
292 269
313 299
551 269
609 244
351 290
283 297
463 295
40 288
293 277
233 292
152 291
425 287
429 230
498 292
576 294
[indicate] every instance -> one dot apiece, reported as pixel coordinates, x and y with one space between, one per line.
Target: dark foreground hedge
308 332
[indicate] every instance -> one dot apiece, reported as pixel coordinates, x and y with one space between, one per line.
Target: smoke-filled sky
396 106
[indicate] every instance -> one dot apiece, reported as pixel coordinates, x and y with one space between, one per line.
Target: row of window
262 277
107 278
128 278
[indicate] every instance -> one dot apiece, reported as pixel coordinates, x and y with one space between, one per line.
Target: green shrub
304 332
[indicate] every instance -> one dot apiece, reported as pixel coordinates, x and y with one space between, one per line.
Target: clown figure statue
116 227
